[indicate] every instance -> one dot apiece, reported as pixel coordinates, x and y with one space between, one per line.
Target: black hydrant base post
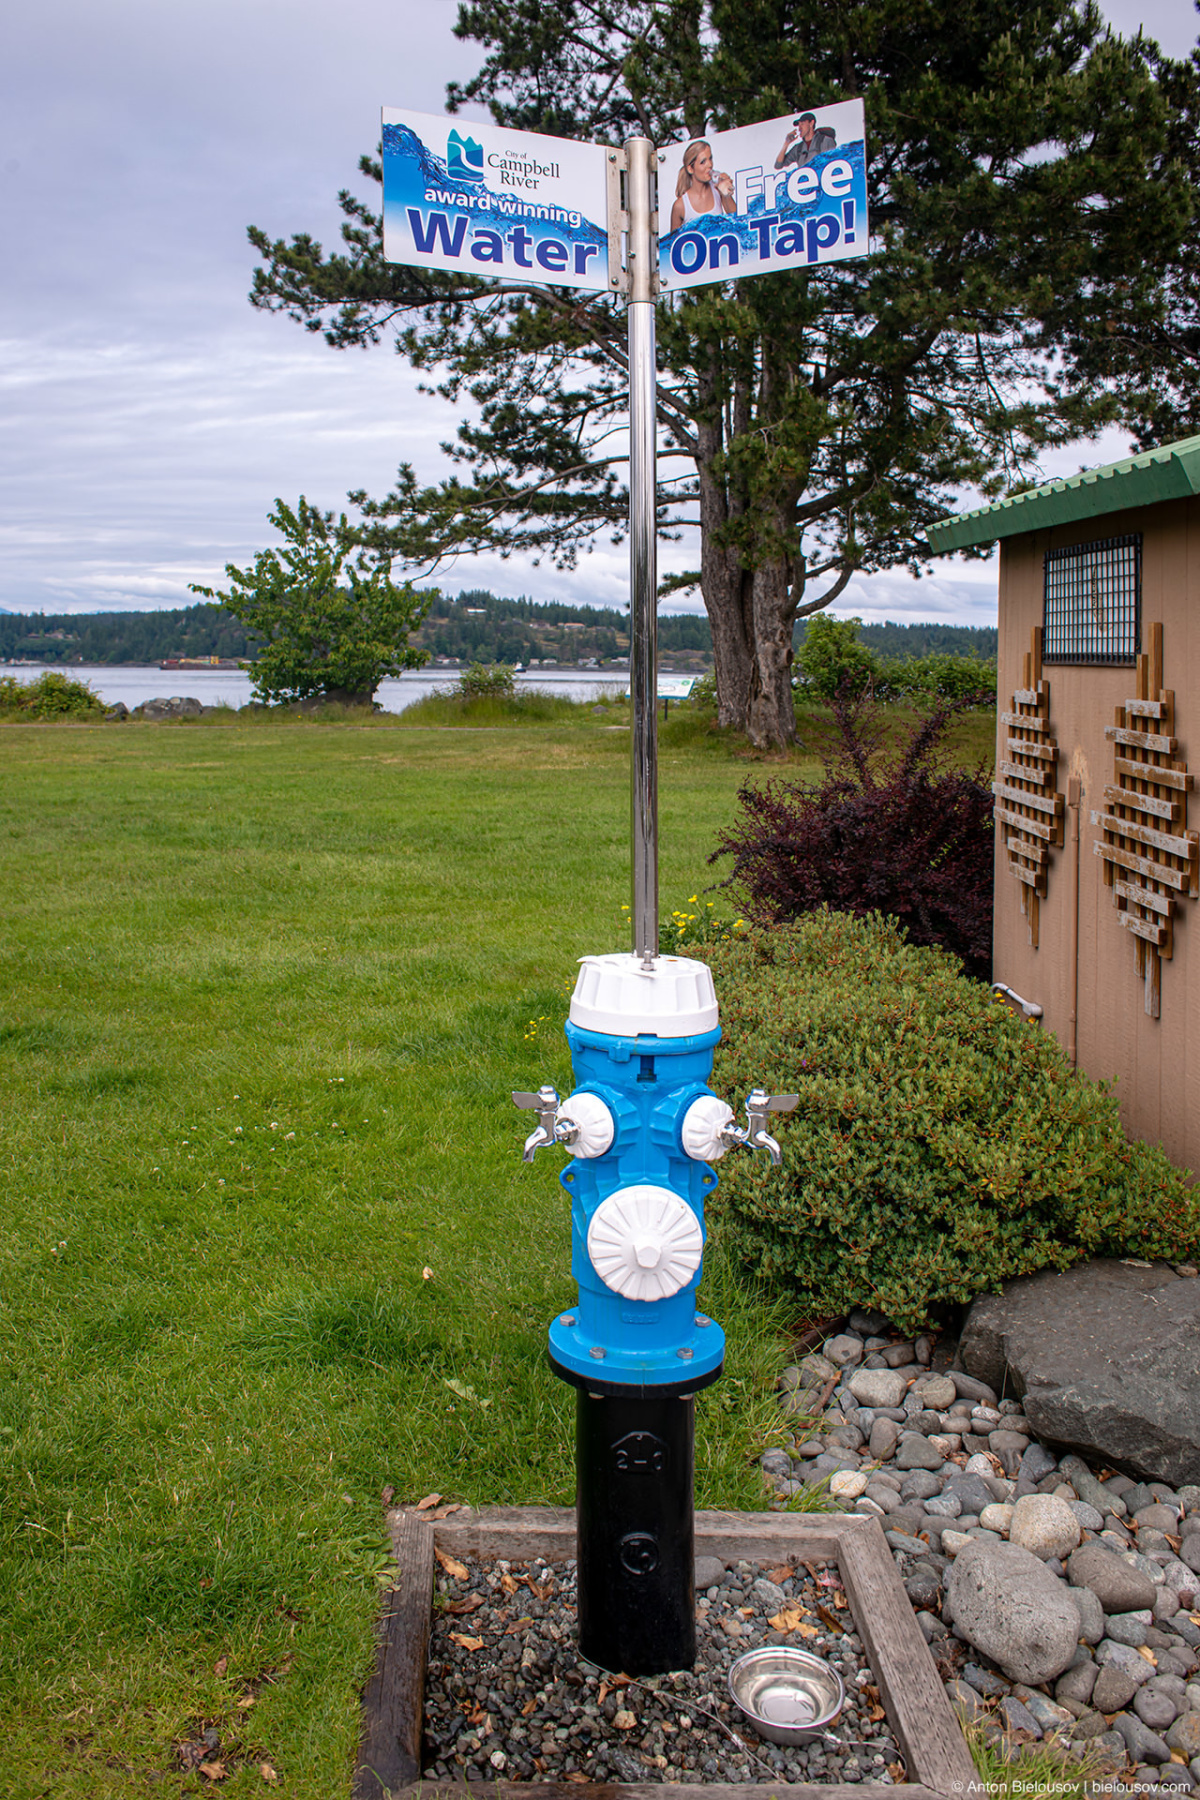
636 1532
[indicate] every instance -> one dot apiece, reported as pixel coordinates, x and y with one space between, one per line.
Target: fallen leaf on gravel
576 1775
783 1573
830 1619
267 1772
451 1565
464 1642
471 1604
530 1706
896 1771
216 1771
509 1583
1145 1650
518 1625
787 1620
220 1666
427 1502
840 1601
876 1713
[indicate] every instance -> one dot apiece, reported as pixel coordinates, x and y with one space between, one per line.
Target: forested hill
124 637
890 639
475 626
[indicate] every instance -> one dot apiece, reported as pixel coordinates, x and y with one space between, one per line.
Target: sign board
783 195
482 200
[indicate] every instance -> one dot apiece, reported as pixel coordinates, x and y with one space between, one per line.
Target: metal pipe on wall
1074 801
643 549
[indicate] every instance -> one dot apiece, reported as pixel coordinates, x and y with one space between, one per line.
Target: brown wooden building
1097 740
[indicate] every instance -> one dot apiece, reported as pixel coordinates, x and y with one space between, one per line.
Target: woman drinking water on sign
698 192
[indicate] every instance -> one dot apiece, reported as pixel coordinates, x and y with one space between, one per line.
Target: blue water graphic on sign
816 214
444 209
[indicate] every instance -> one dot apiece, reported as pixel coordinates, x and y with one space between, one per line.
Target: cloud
149 418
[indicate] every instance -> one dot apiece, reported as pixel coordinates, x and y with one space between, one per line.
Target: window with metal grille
1094 602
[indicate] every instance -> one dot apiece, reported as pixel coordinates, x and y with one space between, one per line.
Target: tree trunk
726 587
339 696
770 712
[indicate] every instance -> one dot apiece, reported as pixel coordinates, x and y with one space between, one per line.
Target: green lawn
267 1245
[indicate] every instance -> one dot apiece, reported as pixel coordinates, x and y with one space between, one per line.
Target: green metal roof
1172 473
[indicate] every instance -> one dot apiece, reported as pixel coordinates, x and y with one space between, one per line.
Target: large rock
1008 1604
1106 1360
1117 1585
179 706
1043 1524
878 1387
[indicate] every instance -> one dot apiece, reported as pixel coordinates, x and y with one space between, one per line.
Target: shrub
704 694
938 676
832 658
52 696
486 681
941 1146
888 829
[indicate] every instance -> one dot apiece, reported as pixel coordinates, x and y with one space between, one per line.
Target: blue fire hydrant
644 1128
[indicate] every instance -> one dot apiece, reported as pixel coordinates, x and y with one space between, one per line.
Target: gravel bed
508 1696
1101 1655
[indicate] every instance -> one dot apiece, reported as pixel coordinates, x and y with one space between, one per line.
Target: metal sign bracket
616 164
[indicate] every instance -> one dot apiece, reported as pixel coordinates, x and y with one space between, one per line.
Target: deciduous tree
332 621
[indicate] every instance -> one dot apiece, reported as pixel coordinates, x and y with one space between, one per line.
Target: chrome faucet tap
759 1106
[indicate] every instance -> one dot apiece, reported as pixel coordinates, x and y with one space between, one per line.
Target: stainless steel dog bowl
789 1696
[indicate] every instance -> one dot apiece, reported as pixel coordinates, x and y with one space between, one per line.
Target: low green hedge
51 696
941 1145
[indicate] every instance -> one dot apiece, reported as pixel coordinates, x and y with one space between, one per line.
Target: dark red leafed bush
889 829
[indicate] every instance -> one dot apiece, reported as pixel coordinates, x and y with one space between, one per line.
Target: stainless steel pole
643 551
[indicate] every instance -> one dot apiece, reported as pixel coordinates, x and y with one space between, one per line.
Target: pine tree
1026 181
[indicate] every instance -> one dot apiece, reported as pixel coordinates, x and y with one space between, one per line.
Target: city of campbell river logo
464 157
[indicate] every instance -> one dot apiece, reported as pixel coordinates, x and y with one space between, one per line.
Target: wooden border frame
918 1710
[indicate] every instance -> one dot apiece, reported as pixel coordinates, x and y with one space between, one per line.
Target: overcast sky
150 417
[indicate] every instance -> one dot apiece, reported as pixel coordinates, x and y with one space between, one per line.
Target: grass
1013 1771
268 1245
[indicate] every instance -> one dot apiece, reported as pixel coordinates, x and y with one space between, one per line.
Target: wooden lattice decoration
1028 803
1151 859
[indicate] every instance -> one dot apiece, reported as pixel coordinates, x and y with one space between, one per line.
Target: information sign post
641 177
642 1125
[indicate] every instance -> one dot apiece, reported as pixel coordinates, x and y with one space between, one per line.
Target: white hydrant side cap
594 1125
615 994
645 1242
703 1123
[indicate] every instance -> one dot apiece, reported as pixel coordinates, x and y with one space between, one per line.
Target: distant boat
200 662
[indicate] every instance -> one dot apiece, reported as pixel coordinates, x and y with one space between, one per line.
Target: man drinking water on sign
804 142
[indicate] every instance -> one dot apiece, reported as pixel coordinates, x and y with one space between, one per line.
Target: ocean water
231 687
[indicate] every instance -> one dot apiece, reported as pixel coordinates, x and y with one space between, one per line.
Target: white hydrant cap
703 1123
645 1242
615 994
